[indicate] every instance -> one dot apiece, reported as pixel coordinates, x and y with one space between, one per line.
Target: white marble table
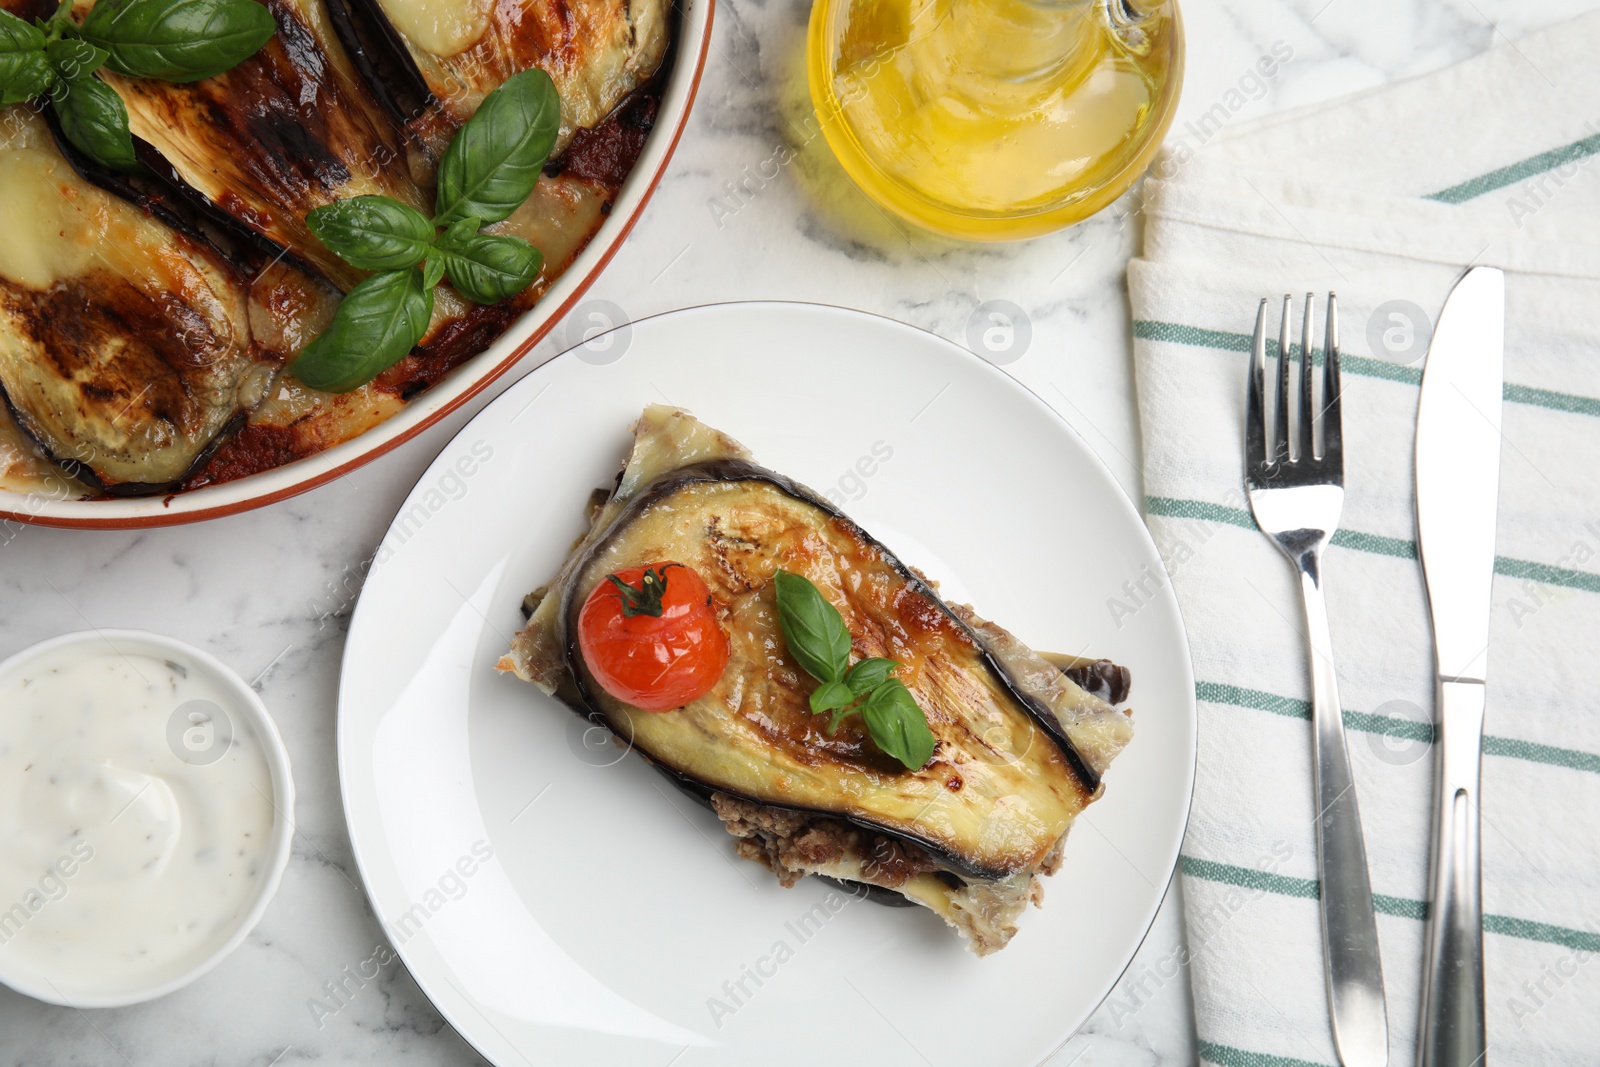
270 591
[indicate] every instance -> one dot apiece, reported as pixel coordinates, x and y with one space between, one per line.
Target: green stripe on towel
1205 511
1545 398
1227 1056
1193 336
1375 544
1537 753
1289 707
1364 367
1528 930
1408 729
1284 886
1545 573
1518 171
1249 878
1360 366
1256 699
1179 508
1401 907
1178 334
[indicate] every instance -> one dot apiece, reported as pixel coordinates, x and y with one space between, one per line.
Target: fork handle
1452 975
1352 966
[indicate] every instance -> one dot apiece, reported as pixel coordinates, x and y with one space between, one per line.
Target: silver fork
1296 488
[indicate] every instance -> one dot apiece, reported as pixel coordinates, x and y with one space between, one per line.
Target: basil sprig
487 172
816 636
174 40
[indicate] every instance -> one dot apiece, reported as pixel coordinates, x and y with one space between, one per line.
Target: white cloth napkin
1385 198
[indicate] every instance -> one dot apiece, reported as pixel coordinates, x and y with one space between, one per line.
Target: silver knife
1458 478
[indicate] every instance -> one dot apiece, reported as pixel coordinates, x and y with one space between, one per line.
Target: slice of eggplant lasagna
1021 739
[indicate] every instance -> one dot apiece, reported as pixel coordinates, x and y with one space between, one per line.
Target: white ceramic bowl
244 705
466 381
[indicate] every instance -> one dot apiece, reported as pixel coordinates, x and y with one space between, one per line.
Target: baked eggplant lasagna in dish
238 233
775 661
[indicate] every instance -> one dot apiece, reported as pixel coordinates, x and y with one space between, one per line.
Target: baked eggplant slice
1020 747
456 52
127 348
288 130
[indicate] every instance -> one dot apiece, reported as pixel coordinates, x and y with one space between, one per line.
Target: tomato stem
646 599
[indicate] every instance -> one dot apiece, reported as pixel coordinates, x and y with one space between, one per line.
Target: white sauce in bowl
136 819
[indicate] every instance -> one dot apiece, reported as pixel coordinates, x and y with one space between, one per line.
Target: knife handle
1452 975
1351 962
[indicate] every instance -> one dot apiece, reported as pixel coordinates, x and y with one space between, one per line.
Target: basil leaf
95 121
867 675
177 40
487 269
897 725
812 628
494 160
24 71
19 36
432 270
23 76
831 696
373 232
74 59
378 322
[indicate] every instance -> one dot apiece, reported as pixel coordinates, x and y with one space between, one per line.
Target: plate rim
435 404
1191 701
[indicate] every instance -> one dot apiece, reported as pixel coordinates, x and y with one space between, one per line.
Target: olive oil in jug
994 119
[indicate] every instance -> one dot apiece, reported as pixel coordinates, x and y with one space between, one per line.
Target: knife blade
1458 468
1457 480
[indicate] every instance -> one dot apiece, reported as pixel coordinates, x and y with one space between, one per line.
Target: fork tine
1255 418
1307 428
1332 428
1280 436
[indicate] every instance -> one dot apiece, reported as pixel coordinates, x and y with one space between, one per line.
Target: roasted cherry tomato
651 638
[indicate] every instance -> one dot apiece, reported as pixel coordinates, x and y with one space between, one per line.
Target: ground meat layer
792 845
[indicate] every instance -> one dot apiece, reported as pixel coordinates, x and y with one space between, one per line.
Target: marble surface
270 592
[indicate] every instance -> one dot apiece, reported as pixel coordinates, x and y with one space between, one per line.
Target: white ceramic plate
693 27
556 899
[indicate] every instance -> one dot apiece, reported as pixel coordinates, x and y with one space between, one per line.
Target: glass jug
994 119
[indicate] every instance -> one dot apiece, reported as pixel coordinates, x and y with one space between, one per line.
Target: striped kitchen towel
1385 198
